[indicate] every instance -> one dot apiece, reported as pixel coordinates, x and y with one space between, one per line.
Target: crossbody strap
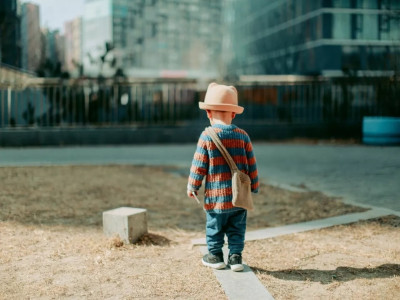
222 149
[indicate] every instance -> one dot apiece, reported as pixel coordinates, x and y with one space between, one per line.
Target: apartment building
31 37
153 38
328 37
10 36
73 46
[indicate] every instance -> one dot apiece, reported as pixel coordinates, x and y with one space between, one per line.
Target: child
221 104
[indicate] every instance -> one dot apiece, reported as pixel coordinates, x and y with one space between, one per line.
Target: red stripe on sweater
218 161
219 192
222 206
249 147
198 170
194 182
228 143
251 161
201 157
219 177
253 174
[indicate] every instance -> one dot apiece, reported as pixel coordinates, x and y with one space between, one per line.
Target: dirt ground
357 261
52 245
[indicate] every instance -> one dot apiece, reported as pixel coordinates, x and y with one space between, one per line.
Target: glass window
357 22
394 4
327 21
341 26
370 31
394 29
384 27
384 4
370 4
341 3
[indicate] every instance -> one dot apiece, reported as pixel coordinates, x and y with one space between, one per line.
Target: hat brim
222 107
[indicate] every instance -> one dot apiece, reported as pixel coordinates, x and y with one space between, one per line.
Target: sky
53 13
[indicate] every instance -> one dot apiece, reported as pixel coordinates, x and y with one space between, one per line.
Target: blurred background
125 69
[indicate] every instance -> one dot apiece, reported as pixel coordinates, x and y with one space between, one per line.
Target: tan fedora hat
221 97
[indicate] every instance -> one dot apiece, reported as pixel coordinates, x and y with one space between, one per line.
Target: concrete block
127 222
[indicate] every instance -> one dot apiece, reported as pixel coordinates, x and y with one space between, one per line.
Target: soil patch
52 243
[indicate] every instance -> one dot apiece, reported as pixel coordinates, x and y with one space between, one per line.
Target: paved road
369 175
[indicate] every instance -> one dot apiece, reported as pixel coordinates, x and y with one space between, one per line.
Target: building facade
31 37
96 31
53 46
326 37
153 38
60 49
183 36
10 35
73 46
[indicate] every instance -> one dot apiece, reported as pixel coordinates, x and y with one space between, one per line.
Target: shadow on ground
329 276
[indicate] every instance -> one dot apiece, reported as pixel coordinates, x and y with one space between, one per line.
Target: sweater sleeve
253 172
200 163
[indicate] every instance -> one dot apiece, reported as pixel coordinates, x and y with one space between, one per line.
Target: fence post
116 102
9 105
2 109
86 90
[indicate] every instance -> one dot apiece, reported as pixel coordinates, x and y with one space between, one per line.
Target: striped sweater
208 162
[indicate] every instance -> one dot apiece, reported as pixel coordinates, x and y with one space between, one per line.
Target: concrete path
177 155
363 174
240 285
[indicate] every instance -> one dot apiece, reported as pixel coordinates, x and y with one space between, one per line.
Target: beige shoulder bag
241 182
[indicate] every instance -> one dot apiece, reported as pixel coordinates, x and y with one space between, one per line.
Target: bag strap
222 149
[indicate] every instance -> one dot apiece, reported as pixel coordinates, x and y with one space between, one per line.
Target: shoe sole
237 268
217 266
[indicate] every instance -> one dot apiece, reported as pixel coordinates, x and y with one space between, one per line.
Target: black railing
320 100
94 103
81 103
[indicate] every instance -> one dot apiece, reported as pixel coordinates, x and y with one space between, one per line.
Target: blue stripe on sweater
201 150
231 136
225 168
252 168
218 199
199 163
232 152
219 185
196 176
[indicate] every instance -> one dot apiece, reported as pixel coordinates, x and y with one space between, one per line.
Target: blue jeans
233 224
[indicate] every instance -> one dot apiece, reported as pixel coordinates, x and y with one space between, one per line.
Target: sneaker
235 261
214 261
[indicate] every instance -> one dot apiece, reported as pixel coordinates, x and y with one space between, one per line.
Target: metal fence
320 100
81 103
92 103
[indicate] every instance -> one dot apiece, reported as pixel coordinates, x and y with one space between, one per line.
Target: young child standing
221 104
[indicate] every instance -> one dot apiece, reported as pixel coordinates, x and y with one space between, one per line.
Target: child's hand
189 193
193 194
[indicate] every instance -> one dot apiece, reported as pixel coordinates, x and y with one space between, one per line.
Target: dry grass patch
357 261
60 262
77 196
52 243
